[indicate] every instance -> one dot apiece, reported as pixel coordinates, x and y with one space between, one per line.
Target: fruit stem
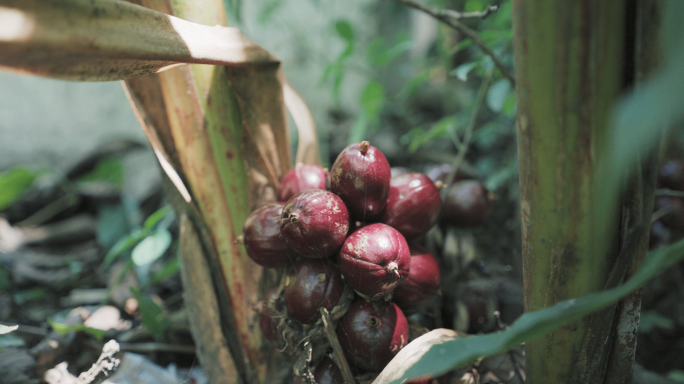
294 218
393 268
363 147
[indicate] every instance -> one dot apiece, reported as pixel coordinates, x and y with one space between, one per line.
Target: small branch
668 193
452 19
338 355
469 130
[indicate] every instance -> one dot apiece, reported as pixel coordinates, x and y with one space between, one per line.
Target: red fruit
312 284
300 178
467 204
371 337
268 321
671 175
422 281
413 205
263 240
325 372
374 260
441 173
361 177
444 379
398 171
315 223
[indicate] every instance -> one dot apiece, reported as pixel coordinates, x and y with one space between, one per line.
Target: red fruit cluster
355 234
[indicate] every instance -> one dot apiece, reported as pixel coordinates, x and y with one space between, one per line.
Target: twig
338 355
669 192
452 19
469 130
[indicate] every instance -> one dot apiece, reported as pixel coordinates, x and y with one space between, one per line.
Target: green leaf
345 31
108 169
417 137
372 100
112 225
462 71
268 10
473 6
4 329
650 320
676 375
170 269
29 295
13 184
5 280
151 248
497 94
449 353
63 329
11 341
157 216
379 56
359 130
123 245
153 316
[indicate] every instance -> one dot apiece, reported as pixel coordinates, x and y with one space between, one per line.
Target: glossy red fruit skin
370 338
671 174
361 178
467 204
444 379
441 173
325 372
263 240
268 323
312 284
413 205
315 223
422 281
300 178
374 260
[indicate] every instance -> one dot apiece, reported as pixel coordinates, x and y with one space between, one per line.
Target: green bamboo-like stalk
569 60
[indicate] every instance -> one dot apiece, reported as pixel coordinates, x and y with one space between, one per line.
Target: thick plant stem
569 59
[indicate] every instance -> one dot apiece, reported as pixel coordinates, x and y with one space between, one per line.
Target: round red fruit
361 177
263 240
325 372
413 205
422 281
374 260
312 284
371 337
300 178
467 204
315 223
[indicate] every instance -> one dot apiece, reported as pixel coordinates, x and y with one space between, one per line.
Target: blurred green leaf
345 31
650 320
5 280
170 269
414 84
267 10
676 375
487 135
123 245
359 130
13 184
29 295
379 55
372 100
417 137
157 216
4 329
108 169
497 94
501 176
153 316
10 341
462 71
63 329
453 353
510 105
473 6
151 248
112 225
